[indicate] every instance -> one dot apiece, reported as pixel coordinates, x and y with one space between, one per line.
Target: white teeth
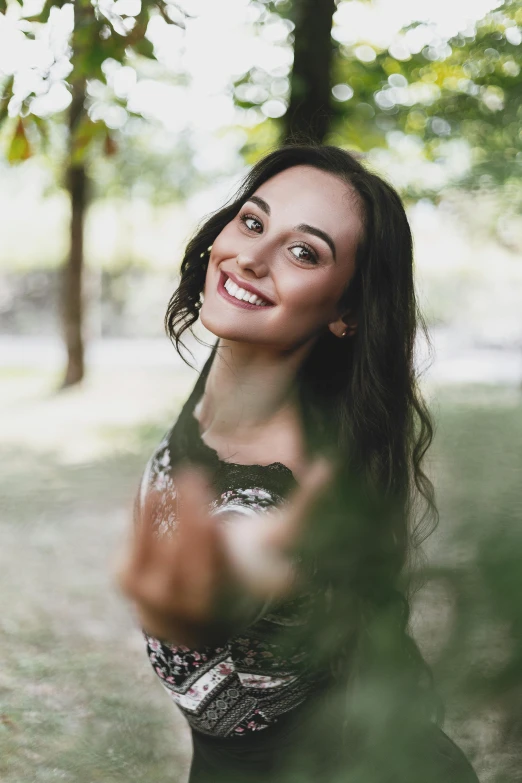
243 295
231 287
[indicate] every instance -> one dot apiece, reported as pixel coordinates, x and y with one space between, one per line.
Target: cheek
221 250
225 244
310 296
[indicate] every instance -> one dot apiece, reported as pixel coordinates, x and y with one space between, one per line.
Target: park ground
79 702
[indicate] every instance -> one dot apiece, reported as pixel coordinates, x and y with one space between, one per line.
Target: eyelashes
245 217
313 260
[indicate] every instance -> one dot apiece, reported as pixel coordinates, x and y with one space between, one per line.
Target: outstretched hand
177 582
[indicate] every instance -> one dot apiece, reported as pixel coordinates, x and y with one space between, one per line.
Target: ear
345 326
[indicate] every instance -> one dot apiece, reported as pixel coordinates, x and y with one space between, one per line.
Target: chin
221 327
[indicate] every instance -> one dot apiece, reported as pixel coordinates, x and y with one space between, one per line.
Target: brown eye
304 254
252 223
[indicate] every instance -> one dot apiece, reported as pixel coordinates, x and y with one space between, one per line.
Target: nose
252 262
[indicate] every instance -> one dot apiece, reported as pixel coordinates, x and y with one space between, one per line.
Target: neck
248 388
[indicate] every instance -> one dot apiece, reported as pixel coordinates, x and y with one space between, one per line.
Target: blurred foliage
106 38
431 89
467 87
104 35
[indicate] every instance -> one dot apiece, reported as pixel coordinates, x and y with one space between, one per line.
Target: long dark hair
359 394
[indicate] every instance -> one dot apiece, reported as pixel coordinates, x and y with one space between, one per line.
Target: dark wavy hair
358 395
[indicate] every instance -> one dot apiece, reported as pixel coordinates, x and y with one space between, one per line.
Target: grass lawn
78 699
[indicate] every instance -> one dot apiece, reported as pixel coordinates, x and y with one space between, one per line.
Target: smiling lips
243 297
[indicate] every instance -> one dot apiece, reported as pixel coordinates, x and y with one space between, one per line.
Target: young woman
305 431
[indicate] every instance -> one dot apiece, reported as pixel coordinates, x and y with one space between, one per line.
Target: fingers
189 507
258 565
177 576
147 549
193 518
315 481
131 561
145 530
197 544
259 553
194 497
173 578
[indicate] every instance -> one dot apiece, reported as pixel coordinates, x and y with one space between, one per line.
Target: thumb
294 515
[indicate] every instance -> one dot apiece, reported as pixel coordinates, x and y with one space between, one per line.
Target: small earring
344 333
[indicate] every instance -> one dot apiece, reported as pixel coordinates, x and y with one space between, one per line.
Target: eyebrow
261 203
304 227
318 232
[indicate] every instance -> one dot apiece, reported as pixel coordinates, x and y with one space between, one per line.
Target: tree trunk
309 113
72 304
77 187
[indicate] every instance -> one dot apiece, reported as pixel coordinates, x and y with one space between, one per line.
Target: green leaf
5 97
144 47
42 124
19 149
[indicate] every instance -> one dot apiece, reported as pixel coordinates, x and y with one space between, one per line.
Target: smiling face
288 255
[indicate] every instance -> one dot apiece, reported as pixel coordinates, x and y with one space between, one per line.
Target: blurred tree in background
449 103
102 34
309 109
431 89
476 95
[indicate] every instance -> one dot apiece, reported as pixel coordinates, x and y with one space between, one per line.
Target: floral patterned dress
252 680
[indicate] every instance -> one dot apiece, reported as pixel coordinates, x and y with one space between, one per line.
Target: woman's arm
208 579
